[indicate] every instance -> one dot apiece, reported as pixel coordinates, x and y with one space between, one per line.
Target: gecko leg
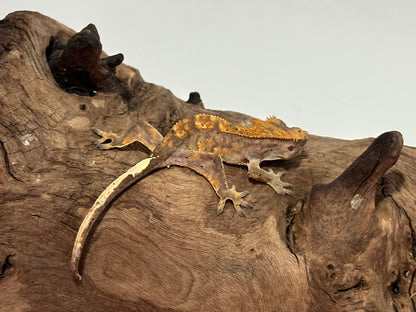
108 139
210 166
141 132
269 177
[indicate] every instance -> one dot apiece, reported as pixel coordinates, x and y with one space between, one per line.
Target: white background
343 69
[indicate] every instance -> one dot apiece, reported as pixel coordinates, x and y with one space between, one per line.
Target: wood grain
161 246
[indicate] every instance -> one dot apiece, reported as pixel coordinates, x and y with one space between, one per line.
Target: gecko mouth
298 144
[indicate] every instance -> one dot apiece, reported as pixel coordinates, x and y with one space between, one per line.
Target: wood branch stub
358 244
161 246
77 67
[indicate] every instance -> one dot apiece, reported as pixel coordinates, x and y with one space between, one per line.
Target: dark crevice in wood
318 286
290 221
395 286
6 265
412 231
404 212
361 283
411 295
69 226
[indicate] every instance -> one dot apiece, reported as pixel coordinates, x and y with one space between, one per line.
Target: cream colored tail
118 185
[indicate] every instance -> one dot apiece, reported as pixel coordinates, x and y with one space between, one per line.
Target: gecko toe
246 204
97 131
220 207
283 189
243 194
236 198
240 211
240 194
100 143
278 174
104 146
107 140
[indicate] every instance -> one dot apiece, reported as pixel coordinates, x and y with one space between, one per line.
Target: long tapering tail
115 188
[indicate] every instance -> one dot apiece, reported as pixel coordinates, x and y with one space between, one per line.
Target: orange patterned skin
202 143
271 128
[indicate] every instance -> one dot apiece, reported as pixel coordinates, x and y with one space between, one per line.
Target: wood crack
7 162
6 265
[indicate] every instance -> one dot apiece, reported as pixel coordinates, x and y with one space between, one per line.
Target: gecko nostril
291 148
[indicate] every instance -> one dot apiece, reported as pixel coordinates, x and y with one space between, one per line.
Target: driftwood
343 241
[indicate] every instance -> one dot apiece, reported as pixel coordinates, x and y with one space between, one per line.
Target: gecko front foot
269 177
273 179
236 198
108 139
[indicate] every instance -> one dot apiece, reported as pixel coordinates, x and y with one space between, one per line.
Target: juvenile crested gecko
202 143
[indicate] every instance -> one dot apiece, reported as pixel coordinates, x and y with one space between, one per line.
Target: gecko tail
132 175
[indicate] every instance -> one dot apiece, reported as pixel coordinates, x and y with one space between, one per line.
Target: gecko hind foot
236 198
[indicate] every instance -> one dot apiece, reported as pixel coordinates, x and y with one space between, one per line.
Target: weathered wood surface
161 246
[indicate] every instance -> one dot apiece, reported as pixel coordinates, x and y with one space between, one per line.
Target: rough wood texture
343 246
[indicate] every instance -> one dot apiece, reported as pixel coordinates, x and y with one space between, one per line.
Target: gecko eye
291 148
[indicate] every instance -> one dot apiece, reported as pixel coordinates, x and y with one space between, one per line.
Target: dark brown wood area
344 241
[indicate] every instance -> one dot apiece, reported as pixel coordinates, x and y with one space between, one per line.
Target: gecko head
287 143
284 149
279 130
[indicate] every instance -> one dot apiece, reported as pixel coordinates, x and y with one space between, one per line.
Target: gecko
202 143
